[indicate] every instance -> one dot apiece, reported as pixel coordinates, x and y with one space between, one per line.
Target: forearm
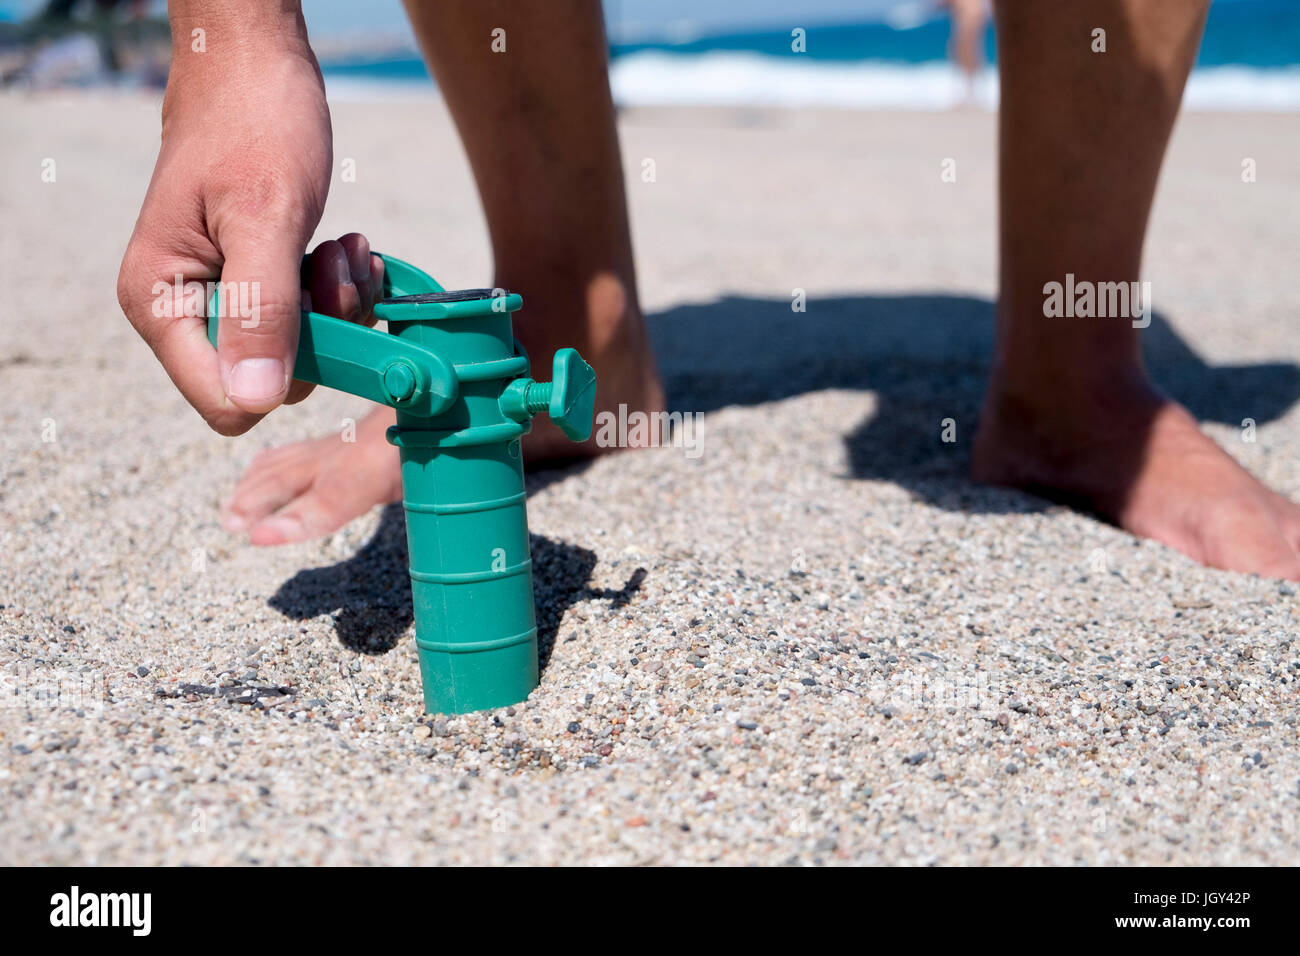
230 44
237 21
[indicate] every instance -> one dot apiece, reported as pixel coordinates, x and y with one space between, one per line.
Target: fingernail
257 380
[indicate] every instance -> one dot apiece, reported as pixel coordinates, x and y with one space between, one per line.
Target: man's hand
238 190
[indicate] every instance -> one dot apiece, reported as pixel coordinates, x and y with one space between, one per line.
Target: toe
1250 536
313 514
282 528
273 480
1287 513
347 489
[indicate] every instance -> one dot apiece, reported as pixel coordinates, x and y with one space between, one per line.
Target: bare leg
966 45
1070 411
537 122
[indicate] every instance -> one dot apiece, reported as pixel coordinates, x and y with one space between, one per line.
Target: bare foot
310 489
1141 461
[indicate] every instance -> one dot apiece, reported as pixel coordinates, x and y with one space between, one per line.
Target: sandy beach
816 642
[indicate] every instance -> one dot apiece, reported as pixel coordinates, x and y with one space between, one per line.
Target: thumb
260 302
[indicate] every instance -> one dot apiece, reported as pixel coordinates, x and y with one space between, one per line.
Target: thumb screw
538 397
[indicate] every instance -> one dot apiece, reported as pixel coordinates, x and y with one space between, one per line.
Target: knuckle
128 280
262 315
263 189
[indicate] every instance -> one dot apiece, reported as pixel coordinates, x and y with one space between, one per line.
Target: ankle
1075 390
613 314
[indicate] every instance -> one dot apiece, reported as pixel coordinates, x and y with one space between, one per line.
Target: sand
817 642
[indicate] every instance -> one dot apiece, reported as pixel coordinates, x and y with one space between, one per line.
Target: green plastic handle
366 362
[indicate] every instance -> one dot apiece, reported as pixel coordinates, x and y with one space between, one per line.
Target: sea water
1249 59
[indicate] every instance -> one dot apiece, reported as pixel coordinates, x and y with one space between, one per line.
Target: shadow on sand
925 357
369 594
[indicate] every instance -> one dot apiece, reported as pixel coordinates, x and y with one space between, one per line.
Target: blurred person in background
970 18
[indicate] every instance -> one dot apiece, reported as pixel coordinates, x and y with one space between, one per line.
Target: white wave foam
653 78
1244 88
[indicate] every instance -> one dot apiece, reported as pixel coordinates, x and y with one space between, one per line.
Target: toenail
285 527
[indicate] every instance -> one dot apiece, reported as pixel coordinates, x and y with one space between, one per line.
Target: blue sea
1249 59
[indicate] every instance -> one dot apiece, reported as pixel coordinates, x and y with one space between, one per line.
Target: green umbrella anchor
451 367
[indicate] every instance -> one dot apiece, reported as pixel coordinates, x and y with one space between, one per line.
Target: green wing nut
569 398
